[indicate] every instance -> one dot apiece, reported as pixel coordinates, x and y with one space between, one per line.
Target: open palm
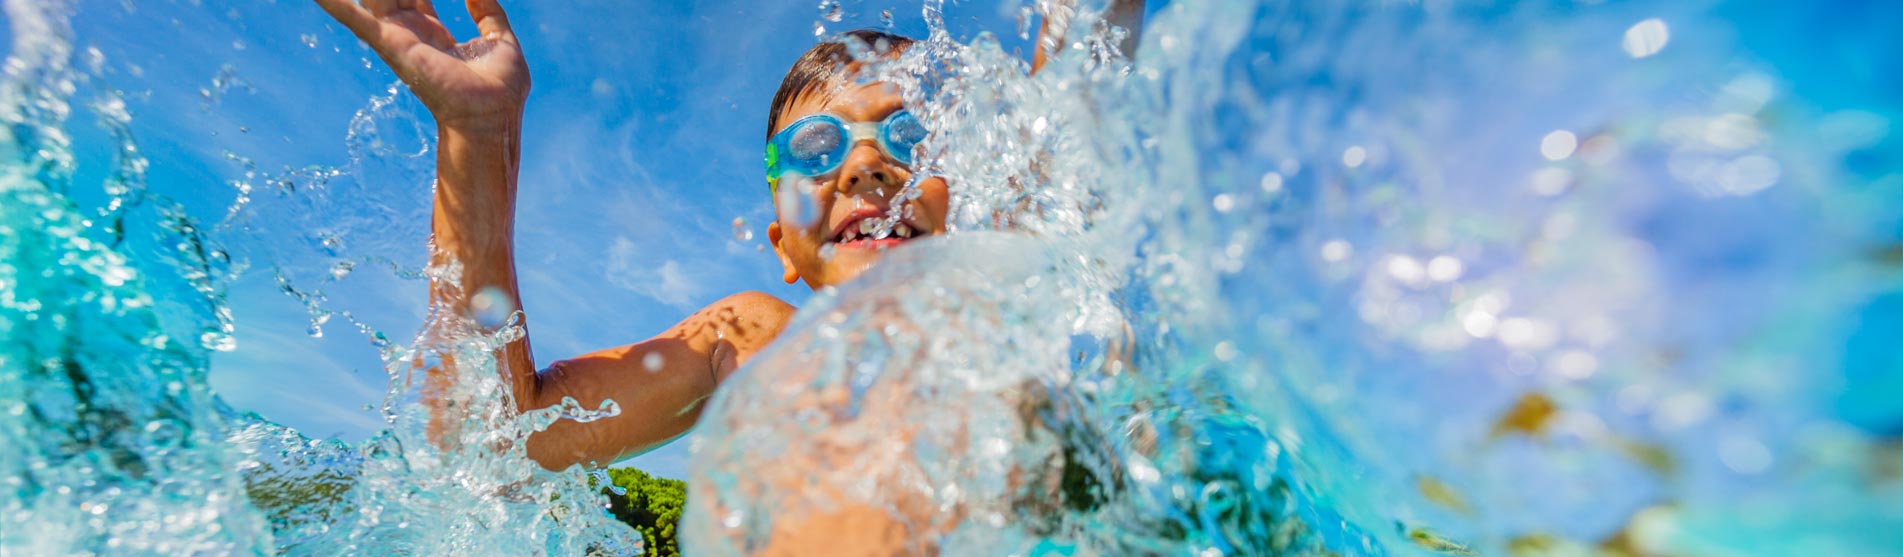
478 82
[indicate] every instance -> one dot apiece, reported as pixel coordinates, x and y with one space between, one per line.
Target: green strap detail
772 167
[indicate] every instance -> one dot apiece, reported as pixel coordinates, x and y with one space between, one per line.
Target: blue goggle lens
814 142
902 132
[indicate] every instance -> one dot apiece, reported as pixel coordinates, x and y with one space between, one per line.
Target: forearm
474 224
1052 36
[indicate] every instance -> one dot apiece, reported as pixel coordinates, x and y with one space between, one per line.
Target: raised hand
478 84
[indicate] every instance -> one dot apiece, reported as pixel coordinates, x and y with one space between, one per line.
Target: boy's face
826 252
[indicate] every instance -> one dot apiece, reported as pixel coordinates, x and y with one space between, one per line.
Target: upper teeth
869 228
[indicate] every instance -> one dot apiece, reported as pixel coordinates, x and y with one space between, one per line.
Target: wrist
476 165
497 129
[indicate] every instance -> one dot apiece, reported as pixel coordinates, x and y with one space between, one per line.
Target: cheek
935 199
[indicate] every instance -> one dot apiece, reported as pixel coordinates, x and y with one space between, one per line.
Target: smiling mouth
871 230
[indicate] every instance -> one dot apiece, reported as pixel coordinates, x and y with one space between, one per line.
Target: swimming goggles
817 144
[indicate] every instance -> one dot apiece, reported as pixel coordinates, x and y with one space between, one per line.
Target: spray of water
1309 279
1302 279
118 447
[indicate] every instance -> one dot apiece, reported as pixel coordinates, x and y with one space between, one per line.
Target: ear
775 235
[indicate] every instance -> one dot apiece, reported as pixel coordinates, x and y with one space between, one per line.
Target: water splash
1336 286
1304 279
118 446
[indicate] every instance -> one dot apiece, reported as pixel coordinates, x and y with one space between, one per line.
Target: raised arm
1052 35
476 91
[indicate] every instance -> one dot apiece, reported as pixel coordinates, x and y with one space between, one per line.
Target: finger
353 16
489 17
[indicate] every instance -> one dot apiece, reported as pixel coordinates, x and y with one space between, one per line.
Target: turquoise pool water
1457 278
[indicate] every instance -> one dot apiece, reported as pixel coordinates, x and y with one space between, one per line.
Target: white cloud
669 282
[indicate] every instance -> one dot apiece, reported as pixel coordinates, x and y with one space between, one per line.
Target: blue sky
641 148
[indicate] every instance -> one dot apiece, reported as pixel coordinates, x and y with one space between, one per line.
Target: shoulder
760 307
748 320
738 326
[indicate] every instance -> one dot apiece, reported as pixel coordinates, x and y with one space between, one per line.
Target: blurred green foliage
651 505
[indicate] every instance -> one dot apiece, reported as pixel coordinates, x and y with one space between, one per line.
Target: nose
867 171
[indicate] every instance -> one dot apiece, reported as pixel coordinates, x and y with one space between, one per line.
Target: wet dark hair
825 64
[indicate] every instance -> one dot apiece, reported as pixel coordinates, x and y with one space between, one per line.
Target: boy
817 128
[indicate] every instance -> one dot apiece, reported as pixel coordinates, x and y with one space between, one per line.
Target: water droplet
1223 202
1551 181
310 40
885 18
316 326
1225 351
1522 333
653 361
1290 167
1558 145
1406 269
332 244
1748 175
1443 269
1272 182
1743 454
1337 250
740 230
794 202
217 340
491 307
830 10
1646 38
1573 364
1354 156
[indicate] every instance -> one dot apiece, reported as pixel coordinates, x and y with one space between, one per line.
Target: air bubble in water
831 10
310 40
885 18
